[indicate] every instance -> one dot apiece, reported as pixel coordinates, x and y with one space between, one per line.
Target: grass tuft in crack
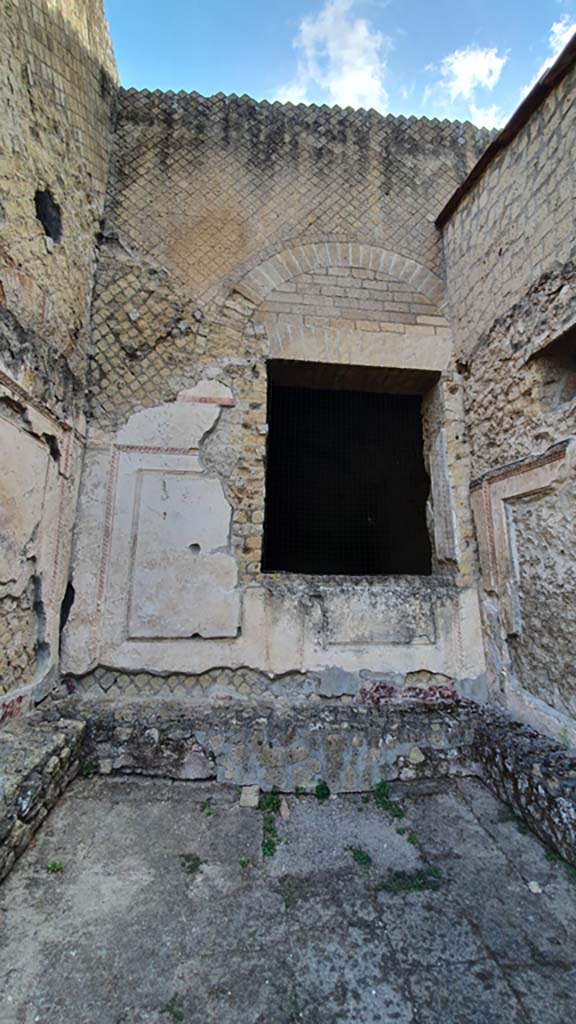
360 856
55 867
322 791
191 863
384 802
270 807
411 881
174 1008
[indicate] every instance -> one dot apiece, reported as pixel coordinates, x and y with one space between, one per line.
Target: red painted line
201 400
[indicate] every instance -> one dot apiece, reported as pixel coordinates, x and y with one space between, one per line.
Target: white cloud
487 117
464 70
560 33
341 57
462 74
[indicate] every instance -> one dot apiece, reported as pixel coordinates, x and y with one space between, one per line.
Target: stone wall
531 773
511 278
37 761
57 88
238 232
352 748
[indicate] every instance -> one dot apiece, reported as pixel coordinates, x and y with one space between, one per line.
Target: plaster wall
57 86
511 280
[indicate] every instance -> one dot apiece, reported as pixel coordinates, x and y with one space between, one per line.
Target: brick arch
303 258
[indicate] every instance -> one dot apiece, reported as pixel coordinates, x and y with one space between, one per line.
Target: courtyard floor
150 902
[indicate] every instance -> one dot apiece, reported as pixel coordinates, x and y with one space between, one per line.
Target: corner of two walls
59 84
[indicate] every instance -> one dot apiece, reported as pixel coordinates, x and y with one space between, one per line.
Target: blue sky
465 59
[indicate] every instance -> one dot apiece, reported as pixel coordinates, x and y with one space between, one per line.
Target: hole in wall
66 606
49 214
53 446
42 646
194 548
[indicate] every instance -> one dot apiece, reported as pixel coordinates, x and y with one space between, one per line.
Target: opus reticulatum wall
237 233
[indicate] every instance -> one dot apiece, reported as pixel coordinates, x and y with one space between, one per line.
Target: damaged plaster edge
475 689
532 711
12 390
247 684
15 703
23 699
167 425
48 431
564 449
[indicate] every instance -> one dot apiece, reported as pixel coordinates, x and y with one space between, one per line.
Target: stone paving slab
160 907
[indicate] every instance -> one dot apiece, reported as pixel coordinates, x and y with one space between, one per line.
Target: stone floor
150 902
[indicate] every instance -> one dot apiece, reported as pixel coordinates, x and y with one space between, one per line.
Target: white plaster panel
524 514
156 585
181 583
378 615
153 542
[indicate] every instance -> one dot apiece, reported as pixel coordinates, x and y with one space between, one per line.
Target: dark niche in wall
346 485
557 365
49 214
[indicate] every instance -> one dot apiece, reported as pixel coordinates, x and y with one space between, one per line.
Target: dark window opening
557 365
346 485
49 214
